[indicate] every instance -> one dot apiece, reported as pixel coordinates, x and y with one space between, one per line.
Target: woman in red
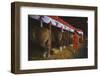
75 41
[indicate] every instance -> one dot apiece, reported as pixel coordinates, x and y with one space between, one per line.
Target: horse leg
60 48
46 53
48 44
47 50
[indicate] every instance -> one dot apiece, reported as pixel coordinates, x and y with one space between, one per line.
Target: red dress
75 41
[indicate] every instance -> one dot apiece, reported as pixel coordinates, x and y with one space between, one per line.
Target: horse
41 38
56 38
64 39
60 39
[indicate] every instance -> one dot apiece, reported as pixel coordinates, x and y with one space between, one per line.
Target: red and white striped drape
57 22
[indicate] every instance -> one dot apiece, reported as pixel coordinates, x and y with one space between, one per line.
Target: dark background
78 22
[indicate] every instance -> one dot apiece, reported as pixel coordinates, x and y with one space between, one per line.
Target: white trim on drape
35 17
46 19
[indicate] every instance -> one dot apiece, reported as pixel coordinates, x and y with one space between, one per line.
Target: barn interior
35 39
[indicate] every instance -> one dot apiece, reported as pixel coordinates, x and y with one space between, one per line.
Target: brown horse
56 38
59 39
41 37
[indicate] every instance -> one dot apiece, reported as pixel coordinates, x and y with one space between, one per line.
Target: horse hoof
46 55
60 49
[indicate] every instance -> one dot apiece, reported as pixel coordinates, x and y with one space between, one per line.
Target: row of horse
49 37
